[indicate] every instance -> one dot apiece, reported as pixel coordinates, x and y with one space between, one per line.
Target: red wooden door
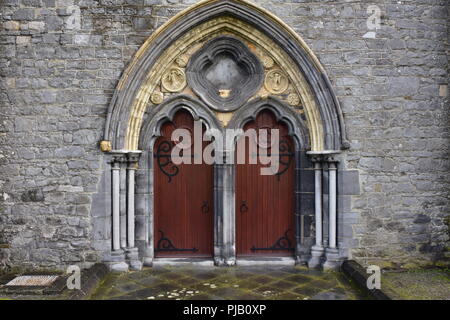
265 203
183 198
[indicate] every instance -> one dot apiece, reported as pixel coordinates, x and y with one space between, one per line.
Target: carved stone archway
160 79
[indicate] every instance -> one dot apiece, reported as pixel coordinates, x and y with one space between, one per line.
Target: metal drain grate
32 281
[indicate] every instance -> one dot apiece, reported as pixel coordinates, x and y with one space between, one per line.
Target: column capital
117 157
323 155
331 159
316 158
133 158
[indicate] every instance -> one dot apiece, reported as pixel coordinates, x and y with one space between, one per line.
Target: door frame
224 174
144 194
168 236
298 131
291 212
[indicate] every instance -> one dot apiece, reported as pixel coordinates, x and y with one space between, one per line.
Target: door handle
243 208
205 207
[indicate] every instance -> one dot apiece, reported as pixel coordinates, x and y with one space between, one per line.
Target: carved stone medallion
174 79
157 97
267 62
293 99
224 73
182 61
276 82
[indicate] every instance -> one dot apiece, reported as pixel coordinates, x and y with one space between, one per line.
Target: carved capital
133 158
118 157
331 159
316 158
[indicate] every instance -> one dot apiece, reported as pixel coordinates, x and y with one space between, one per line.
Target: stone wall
61 60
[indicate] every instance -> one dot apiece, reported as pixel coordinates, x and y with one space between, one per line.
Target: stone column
300 256
131 250
123 202
332 253
116 205
224 198
117 259
218 215
317 250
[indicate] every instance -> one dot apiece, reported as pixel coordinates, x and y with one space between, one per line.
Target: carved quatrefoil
224 73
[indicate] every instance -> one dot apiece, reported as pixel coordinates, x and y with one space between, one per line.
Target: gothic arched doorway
270 67
265 204
184 212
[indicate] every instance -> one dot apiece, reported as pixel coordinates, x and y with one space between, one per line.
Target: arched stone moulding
133 122
166 111
323 114
144 185
283 113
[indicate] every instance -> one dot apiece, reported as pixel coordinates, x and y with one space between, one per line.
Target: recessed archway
291 83
201 22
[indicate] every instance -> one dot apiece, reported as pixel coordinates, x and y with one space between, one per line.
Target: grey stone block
348 182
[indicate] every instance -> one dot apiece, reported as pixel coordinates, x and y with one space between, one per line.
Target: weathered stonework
61 61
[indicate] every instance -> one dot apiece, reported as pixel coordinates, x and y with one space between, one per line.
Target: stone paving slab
417 285
236 283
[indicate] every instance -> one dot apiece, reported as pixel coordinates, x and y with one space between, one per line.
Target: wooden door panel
183 199
265 204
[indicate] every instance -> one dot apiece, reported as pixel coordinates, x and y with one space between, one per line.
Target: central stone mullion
225 226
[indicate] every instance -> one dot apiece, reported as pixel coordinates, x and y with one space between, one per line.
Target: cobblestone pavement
237 283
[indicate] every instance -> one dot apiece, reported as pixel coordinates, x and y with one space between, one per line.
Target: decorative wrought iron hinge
163 157
165 245
283 243
285 151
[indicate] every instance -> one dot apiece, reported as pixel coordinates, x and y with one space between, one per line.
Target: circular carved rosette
267 62
157 97
293 99
174 79
276 82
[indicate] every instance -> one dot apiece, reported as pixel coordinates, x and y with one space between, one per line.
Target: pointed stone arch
297 127
133 94
142 101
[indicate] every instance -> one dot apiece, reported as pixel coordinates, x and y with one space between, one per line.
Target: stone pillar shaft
318 202
332 205
317 250
132 253
116 206
130 206
332 252
228 202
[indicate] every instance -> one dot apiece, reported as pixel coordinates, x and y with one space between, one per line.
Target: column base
229 262
218 261
333 261
132 256
302 260
148 261
116 261
317 253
